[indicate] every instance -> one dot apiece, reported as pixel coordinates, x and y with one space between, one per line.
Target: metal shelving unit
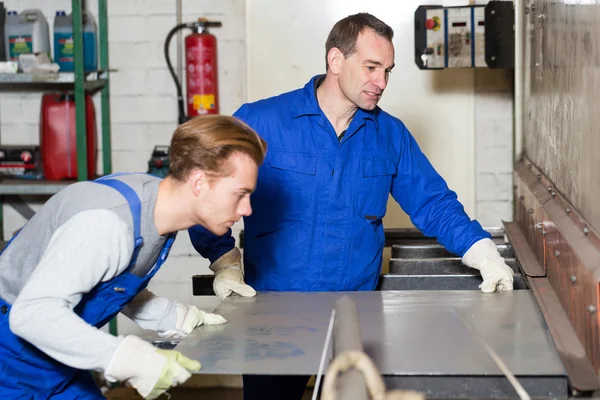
93 82
79 82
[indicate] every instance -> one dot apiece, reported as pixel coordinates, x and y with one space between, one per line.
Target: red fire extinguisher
202 87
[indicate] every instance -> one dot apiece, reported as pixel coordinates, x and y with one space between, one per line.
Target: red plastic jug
58 136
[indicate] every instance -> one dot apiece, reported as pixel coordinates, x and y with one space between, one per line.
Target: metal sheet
405 333
436 266
413 236
439 282
437 251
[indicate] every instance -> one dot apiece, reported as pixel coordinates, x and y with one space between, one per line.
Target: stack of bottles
28 32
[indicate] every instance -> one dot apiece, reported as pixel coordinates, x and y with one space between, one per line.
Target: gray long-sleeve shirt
81 237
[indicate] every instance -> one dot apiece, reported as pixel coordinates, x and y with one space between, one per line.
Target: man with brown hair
334 159
90 252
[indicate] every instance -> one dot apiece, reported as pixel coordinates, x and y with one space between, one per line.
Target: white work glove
189 318
484 256
151 371
229 276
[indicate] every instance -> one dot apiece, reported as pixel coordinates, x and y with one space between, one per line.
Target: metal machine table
417 339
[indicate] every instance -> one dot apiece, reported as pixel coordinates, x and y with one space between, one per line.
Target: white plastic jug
27 34
12 20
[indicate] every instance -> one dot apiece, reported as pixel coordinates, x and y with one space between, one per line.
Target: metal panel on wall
561 118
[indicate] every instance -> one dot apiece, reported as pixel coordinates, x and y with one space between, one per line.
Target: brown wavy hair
206 142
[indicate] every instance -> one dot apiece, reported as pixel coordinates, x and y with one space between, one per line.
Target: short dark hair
344 33
206 142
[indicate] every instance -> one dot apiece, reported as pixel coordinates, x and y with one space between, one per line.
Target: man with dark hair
92 249
334 158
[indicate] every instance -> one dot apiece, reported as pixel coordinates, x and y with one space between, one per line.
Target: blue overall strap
134 205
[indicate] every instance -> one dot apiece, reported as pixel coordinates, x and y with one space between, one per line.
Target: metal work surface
405 333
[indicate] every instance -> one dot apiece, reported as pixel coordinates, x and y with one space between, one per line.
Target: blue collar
306 103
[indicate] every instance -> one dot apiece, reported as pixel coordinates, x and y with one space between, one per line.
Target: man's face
224 200
364 74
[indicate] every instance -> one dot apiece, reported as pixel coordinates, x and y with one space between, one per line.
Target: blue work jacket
319 202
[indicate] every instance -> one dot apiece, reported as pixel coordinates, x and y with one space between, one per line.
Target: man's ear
335 60
197 180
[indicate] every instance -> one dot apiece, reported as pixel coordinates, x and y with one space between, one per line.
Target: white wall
493 146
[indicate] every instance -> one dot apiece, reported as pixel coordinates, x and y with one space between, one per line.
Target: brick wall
493 146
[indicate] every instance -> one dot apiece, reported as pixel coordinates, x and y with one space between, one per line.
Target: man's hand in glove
229 277
149 370
189 318
484 256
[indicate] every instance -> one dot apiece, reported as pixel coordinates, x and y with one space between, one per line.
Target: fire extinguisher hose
180 102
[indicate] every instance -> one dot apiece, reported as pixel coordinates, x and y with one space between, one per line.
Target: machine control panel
455 37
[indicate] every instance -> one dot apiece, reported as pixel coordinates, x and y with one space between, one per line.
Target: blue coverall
319 202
